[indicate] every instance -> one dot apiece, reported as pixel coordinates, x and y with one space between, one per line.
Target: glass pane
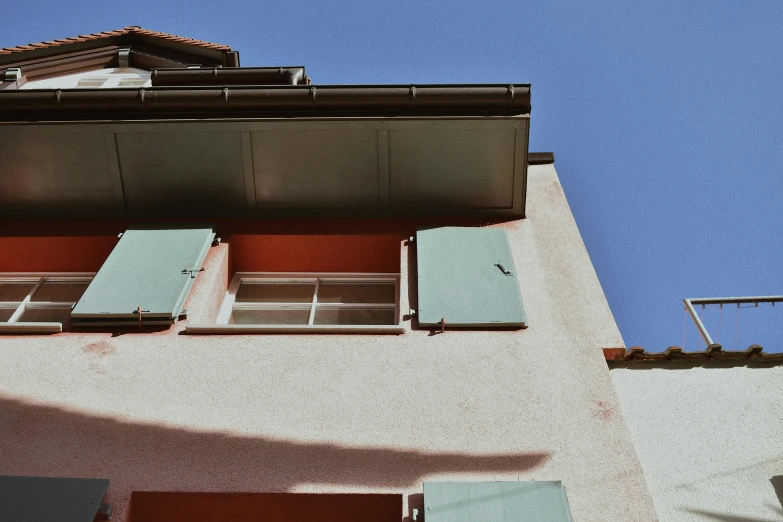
269 317
353 316
46 315
356 293
59 292
6 313
15 291
275 293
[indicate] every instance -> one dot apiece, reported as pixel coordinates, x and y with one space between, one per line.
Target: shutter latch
503 269
192 272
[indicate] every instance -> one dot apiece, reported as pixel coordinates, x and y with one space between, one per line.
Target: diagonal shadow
723 517
777 484
49 441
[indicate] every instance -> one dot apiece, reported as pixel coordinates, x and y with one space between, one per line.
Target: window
39 301
307 300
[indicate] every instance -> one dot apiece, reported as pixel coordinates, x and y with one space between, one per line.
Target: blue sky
666 118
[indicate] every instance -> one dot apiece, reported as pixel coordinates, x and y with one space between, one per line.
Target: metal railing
689 303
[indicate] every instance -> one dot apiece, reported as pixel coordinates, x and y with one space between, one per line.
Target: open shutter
496 502
467 277
47 499
152 268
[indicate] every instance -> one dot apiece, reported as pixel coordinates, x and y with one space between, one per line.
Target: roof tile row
675 353
134 29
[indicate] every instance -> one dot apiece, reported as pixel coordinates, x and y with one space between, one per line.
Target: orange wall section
315 253
152 506
54 254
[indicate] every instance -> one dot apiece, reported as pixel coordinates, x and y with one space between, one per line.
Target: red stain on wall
54 254
315 253
153 506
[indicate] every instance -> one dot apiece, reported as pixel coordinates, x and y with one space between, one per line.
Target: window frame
229 304
13 325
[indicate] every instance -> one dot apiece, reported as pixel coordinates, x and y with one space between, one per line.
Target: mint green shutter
496 502
49 499
152 268
467 277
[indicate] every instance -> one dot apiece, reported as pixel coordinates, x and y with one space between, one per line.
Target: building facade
234 293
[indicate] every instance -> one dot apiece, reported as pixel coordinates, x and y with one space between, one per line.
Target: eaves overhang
366 151
323 165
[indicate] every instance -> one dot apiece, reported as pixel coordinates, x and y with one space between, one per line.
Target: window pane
59 292
353 316
46 315
356 293
269 317
15 291
275 293
6 313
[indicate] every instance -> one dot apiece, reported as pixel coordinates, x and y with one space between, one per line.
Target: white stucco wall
340 413
710 440
98 79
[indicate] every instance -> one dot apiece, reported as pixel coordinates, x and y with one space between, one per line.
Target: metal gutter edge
47 104
228 76
223 329
30 328
540 158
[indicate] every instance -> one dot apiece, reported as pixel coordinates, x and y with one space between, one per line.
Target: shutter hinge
192 272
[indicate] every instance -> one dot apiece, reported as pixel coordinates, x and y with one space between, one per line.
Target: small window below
39 302
312 301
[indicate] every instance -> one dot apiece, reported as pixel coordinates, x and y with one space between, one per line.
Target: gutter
359 100
228 76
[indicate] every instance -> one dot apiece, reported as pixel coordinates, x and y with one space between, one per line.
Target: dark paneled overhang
359 151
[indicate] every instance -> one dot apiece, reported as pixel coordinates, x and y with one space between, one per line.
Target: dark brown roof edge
157 102
178 77
675 353
540 158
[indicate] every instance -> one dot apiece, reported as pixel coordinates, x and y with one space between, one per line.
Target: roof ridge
130 29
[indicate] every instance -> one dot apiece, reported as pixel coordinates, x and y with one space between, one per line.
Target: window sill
223 329
30 328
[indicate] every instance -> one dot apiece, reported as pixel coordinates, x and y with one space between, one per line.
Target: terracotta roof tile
754 353
132 29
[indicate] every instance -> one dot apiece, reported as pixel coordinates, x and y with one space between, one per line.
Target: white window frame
229 304
13 325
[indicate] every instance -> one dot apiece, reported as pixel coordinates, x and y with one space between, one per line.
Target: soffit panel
47 169
316 168
164 170
447 168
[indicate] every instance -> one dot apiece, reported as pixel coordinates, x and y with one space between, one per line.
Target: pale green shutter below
496 502
467 277
152 268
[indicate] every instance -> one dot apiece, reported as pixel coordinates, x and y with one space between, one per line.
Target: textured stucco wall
308 413
710 440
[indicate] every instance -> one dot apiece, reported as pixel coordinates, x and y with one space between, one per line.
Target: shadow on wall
777 484
49 441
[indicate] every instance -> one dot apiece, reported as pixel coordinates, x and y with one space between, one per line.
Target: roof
131 29
146 49
715 352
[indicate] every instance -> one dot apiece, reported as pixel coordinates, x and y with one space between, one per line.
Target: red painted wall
150 506
54 254
315 253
